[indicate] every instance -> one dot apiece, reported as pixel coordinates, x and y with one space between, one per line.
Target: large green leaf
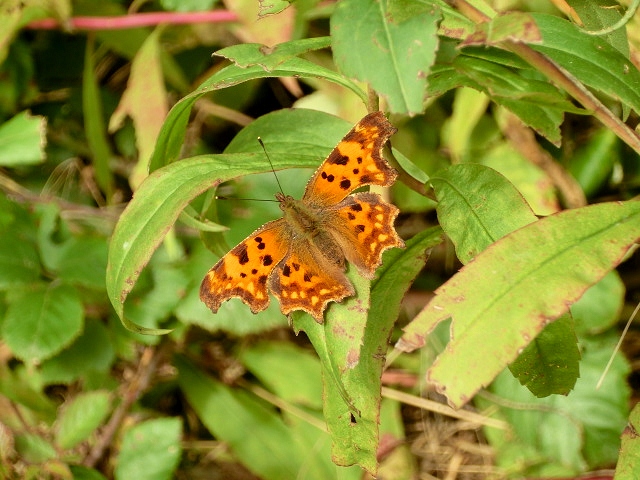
495 314
592 60
254 431
476 207
164 194
352 345
172 134
390 45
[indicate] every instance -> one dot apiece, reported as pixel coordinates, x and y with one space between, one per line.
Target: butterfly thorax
302 219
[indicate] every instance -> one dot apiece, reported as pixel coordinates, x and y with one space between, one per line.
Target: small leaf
272 7
19 260
495 314
42 320
92 352
254 54
550 364
150 450
22 140
79 417
83 473
593 162
388 45
33 448
145 101
601 305
477 206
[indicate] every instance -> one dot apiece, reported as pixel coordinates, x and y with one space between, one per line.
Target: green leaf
390 45
601 305
164 194
83 261
254 54
19 260
593 163
537 103
477 206
267 448
292 373
22 140
550 364
592 60
33 448
575 432
495 314
171 136
630 451
150 450
272 7
42 320
83 473
600 14
80 416
94 124
91 352
352 345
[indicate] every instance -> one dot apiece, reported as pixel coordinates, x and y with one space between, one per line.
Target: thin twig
147 366
136 20
561 78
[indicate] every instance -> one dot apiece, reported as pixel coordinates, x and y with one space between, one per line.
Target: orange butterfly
301 257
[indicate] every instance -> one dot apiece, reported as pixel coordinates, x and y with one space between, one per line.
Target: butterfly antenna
264 149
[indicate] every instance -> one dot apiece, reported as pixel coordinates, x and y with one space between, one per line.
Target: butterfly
300 258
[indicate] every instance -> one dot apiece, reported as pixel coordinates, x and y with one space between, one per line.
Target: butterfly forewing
356 161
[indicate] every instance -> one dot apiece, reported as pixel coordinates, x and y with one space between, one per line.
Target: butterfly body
301 257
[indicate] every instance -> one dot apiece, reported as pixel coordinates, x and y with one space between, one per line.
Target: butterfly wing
306 280
362 224
244 271
356 161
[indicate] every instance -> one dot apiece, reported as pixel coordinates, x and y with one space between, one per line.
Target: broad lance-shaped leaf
282 63
476 207
165 193
352 344
505 297
390 45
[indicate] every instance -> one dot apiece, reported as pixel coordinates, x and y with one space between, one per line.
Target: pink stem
135 20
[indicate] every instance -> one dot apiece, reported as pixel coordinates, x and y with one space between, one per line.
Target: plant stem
136 20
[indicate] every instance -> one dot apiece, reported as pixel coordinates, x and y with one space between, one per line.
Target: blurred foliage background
96 95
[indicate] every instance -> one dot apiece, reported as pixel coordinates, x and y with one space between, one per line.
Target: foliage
514 131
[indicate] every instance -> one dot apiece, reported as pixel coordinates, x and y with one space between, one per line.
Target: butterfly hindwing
364 228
